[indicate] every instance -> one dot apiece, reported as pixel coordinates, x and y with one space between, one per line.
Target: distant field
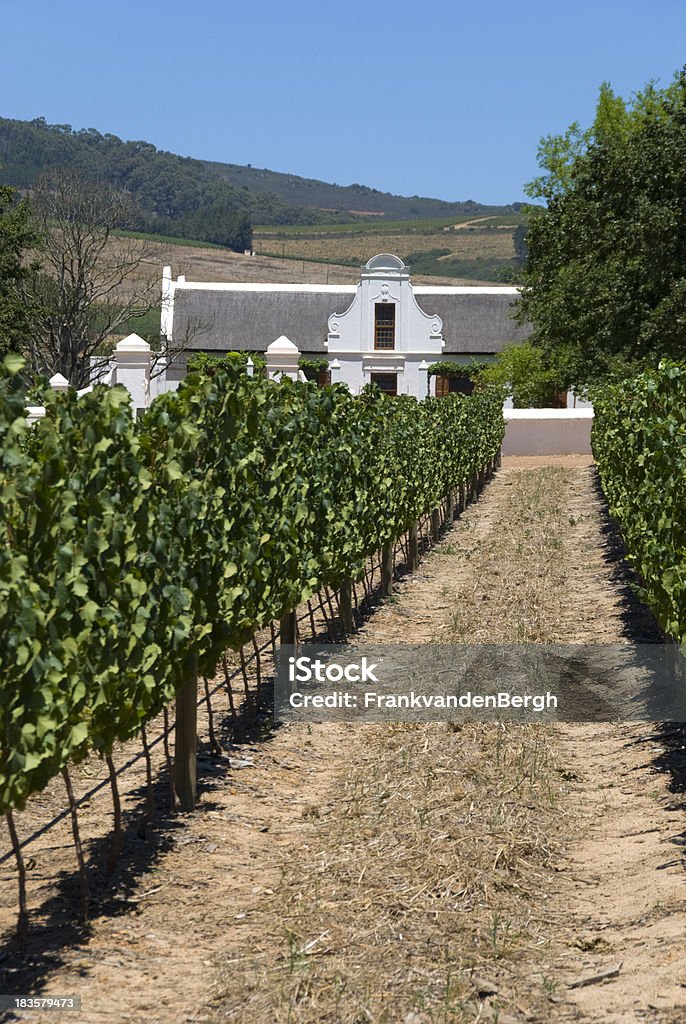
380 224
146 236
456 249
471 247
360 227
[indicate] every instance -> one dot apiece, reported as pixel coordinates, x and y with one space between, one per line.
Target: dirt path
417 874
620 891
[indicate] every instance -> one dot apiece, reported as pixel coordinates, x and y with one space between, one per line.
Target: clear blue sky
440 98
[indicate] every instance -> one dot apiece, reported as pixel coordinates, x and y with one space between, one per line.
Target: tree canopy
173 195
17 235
528 379
605 280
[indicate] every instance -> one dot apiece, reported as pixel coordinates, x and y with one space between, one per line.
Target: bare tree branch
91 282
172 350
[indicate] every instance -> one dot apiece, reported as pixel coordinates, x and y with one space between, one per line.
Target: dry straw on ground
422 897
421 891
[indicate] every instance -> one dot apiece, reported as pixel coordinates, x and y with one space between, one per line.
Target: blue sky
445 99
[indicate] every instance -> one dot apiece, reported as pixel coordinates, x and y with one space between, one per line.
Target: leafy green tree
524 372
519 241
17 236
605 280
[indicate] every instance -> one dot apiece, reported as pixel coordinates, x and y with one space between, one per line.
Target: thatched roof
477 320
249 317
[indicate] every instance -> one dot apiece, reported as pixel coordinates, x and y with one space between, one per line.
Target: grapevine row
134 552
639 444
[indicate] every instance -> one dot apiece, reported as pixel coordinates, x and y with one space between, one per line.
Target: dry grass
421 892
463 244
422 896
220 265
516 590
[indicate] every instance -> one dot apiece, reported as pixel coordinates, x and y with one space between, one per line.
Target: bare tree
91 281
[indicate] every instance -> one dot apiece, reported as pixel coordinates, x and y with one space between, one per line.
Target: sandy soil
203 919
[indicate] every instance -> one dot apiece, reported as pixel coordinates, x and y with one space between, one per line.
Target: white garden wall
547 431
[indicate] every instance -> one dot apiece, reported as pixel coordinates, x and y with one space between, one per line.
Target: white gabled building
384 336
382 330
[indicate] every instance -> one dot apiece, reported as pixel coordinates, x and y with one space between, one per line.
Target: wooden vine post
346 606
288 642
462 497
288 629
387 569
186 740
115 848
23 918
413 547
435 525
83 877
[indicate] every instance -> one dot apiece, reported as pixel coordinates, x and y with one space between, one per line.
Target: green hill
349 202
187 198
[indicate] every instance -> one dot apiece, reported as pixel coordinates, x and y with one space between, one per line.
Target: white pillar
423 369
250 367
59 383
282 358
132 369
335 368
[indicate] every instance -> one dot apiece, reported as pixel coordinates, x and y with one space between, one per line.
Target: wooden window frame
389 374
384 328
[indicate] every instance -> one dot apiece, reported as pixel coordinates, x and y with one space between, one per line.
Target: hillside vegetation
345 202
183 197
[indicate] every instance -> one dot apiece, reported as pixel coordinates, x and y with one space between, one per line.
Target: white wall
547 431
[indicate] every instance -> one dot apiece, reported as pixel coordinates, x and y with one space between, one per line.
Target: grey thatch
251 318
472 322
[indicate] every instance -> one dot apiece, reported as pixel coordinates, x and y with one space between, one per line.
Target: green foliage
204 362
16 237
146 325
314 365
639 444
519 241
93 597
414 226
313 368
523 370
444 368
130 548
439 263
605 285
